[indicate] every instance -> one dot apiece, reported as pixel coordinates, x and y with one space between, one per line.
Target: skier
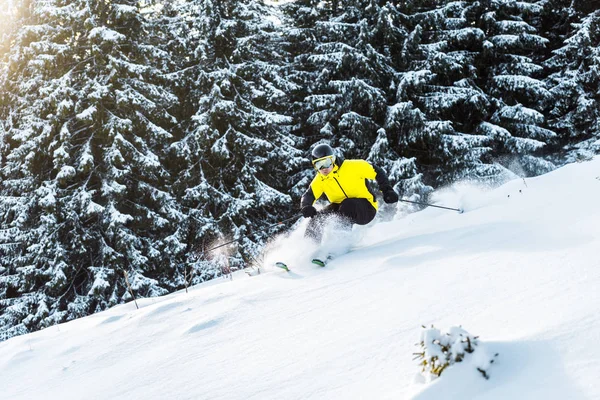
344 183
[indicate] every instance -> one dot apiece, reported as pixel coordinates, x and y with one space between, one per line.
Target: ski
315 261
318 262
282 265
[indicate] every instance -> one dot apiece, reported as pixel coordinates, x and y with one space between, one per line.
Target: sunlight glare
8 11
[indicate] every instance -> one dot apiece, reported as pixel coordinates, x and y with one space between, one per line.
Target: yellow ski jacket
347 181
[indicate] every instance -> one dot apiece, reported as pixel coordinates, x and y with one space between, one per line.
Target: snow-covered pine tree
510 70
305 14
344 99
84 131
235 154
575 84
440 83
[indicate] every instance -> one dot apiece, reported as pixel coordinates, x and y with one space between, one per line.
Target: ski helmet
320 151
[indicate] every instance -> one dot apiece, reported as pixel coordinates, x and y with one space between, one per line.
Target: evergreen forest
137 135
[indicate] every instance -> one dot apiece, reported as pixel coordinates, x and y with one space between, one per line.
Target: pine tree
235 153
439 85
86 128
345 99
575 83
510 70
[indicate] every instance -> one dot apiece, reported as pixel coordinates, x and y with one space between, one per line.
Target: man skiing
344 183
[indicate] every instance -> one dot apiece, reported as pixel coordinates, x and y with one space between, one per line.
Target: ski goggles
323 162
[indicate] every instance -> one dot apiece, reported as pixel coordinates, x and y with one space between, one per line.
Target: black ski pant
349 212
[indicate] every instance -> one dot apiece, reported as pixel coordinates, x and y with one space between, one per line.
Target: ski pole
237 240
460 210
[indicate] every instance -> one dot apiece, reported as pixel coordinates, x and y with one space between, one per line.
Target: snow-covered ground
519 268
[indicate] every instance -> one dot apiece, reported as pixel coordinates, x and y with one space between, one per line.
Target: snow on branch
518 113
516 82
441 350
492 130
106 34
266 195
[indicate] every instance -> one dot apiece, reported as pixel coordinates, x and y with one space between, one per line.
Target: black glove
309 211
389 195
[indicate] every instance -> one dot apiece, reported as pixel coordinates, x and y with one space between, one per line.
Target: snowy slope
519 268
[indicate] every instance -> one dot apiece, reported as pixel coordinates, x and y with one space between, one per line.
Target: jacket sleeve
311 195
381 178
308 198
